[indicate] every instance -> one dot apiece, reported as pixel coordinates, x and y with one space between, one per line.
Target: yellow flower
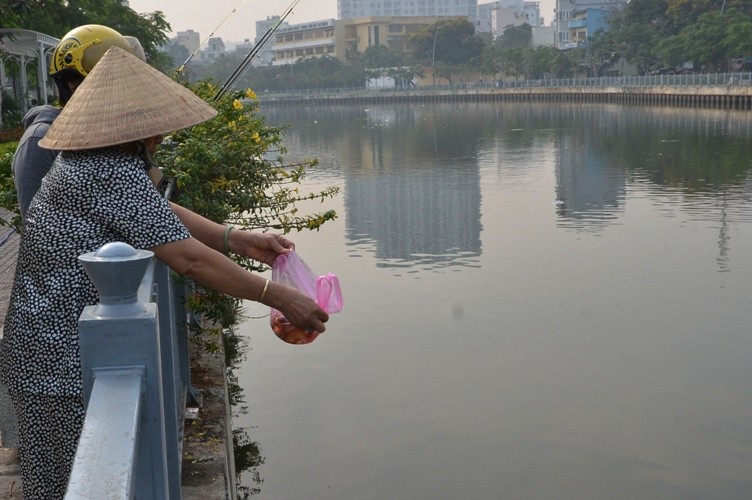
232 125
250 94
237 104
255 136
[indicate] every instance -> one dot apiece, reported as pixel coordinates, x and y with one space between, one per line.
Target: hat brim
124 100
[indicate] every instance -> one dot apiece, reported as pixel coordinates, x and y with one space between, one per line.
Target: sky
216 17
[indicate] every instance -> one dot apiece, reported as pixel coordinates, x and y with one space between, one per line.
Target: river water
541 302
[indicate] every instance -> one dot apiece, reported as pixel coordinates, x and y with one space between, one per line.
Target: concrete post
118 333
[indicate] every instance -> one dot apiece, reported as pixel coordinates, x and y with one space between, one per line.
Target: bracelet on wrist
228 229
263 292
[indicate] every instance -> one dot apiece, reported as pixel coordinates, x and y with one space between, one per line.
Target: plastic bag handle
329 293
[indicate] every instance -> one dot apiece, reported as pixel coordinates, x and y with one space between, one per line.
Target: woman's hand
261 247
297 307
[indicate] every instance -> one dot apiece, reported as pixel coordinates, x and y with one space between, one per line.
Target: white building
215 47
265 56
497 16
190 39
352 9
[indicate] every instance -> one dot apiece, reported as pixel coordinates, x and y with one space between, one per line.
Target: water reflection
597 347
413 173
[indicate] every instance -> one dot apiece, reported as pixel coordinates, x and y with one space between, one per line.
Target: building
353 9
391 32
266 56
337 38
314 39
572 21
190 39
245 47
215 47
584 24
495 17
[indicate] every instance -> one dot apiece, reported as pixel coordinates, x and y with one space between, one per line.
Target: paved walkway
10 483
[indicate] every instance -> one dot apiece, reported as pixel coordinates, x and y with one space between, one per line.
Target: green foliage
709 33
8 198
515 36
448 46
57 17
231 170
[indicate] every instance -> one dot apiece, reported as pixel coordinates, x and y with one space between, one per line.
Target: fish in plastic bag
289 269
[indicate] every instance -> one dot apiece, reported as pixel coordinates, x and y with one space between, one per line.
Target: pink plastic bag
289 269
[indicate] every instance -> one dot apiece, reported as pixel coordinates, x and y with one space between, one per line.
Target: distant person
98 191
73 58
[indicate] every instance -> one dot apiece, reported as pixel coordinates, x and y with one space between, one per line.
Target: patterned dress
88 198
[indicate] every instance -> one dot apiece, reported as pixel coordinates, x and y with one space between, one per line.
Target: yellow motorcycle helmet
81 48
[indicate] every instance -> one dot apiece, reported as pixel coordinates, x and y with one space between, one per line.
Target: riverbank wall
732 96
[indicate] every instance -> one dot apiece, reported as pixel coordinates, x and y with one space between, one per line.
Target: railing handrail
139 327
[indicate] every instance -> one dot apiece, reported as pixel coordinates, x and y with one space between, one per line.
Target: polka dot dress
88 198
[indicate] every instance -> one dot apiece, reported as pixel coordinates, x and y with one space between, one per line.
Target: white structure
567 14
26 47
215 47
497 16
532 10
265 56
245 47
352 9
314 39
190 39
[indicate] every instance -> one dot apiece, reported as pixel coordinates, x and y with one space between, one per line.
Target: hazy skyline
206 17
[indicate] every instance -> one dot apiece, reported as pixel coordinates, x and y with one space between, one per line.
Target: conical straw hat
124 100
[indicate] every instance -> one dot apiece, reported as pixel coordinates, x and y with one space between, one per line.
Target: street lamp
433 53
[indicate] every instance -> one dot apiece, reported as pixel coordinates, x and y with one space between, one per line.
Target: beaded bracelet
227 238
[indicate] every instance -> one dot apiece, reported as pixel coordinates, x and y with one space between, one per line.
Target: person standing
72 59
98 191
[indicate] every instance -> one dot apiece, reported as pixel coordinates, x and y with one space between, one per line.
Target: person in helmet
72 60
97 192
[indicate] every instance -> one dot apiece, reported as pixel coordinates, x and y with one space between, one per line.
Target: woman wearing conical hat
98 191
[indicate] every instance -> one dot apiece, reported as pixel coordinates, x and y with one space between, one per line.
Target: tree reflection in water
247 453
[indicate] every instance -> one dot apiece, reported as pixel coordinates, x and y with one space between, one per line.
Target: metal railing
685 80
136 375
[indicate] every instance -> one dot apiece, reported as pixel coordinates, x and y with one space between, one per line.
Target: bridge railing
134 357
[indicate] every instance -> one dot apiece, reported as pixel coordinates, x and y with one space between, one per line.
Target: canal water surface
541 302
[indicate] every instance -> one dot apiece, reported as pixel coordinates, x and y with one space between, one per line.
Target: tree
231 169
379 56
57 17
448 45
515 36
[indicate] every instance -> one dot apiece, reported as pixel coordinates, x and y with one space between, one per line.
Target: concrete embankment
698 96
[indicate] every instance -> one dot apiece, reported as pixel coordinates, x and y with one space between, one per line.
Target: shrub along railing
136 374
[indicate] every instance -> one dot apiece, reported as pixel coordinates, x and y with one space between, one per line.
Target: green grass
8 147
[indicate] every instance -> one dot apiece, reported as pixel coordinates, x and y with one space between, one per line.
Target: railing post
173 384
121 332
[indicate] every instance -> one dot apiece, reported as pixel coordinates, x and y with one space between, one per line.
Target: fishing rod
254 52
182 67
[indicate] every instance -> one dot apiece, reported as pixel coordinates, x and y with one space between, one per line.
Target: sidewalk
10 483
